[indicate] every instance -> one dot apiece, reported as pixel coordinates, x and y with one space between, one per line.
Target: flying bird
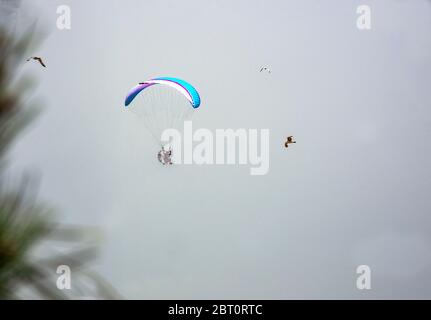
37 59
289 141
266 69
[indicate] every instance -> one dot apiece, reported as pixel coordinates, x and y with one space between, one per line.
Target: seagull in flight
37 59
266 69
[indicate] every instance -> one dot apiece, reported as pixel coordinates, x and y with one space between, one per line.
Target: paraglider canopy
181 86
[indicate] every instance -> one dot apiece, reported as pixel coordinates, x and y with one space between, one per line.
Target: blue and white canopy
181 86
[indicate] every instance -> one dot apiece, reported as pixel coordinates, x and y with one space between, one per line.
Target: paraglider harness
165 156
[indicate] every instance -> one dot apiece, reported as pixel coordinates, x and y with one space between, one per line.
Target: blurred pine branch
26 224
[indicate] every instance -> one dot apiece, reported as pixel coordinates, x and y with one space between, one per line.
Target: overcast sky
354 189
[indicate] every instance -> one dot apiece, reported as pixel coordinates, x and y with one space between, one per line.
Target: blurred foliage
26 226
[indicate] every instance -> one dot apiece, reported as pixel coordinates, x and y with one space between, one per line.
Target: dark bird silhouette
37 59
289 141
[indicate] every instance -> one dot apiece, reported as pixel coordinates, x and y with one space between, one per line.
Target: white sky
353 190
